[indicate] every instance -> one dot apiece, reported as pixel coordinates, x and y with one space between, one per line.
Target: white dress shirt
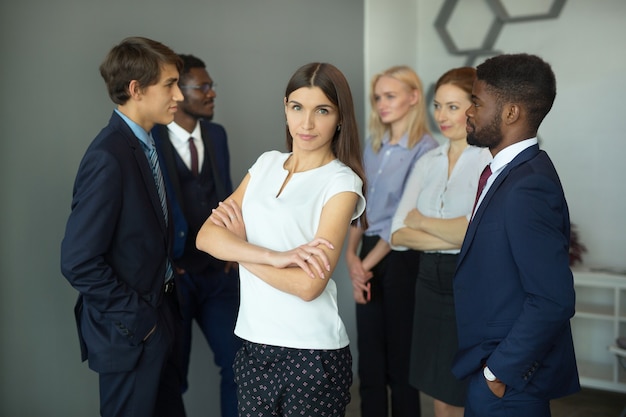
180 140
501 160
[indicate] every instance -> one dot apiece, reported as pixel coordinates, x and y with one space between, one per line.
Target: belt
168 287
440 256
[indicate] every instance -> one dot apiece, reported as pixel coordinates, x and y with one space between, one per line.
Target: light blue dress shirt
386 172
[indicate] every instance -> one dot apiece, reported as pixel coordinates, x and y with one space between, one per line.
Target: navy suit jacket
215 152
513 288
115 249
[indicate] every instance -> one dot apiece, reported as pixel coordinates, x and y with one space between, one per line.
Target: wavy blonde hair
418 118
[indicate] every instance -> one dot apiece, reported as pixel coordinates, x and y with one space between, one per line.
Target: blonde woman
399 136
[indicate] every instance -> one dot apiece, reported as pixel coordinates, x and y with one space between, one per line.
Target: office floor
586 403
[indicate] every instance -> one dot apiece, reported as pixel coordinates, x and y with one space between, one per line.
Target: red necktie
194 157
481 184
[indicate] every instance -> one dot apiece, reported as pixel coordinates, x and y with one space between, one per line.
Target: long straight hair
345 145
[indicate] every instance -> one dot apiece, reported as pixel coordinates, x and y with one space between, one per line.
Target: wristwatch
489 376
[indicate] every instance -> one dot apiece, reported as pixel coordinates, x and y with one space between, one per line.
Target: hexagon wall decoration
500 16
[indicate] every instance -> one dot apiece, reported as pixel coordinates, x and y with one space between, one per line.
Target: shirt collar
404 141
180 134
141 134
507 154
443 148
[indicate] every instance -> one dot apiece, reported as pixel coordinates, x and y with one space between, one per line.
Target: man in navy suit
196 162
513 288
117 240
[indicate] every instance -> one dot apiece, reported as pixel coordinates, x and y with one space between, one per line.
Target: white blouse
434 194
283 222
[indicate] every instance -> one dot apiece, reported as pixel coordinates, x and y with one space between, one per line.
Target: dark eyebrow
319 106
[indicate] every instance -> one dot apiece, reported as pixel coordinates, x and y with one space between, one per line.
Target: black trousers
384 328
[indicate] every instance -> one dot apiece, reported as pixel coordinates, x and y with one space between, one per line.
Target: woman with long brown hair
285 226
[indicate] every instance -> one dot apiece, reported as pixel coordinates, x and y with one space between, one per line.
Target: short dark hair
189 62
521 78
346 145
135 58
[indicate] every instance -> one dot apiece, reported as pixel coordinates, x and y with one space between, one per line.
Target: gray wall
53 104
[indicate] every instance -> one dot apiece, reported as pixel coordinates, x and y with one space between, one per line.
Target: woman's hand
310 257
228 215
360 279
414 219
361 292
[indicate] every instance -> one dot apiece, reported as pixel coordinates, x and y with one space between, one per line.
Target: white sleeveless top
270 316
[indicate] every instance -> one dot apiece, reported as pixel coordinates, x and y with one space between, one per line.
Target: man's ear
511 113
134 89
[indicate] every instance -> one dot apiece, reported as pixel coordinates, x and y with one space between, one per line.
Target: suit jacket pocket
108 348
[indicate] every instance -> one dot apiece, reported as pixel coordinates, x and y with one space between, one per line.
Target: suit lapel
522 157
144 167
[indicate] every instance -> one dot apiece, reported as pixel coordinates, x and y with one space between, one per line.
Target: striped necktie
158 179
